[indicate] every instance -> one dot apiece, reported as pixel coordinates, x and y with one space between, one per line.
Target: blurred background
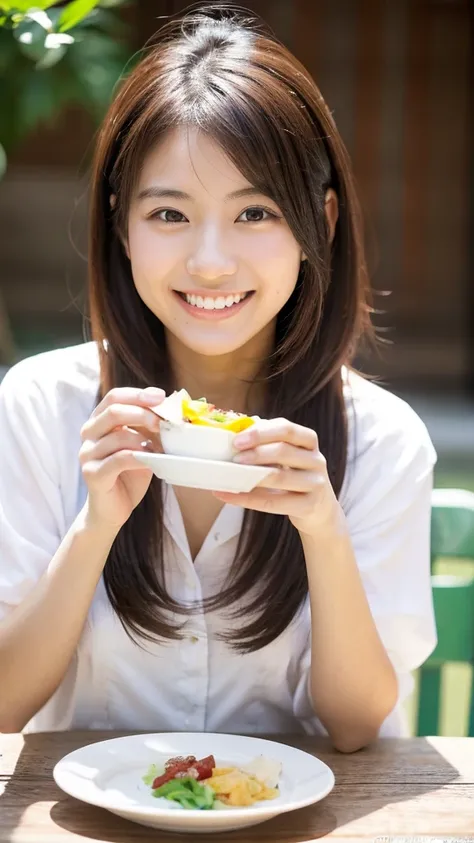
397 77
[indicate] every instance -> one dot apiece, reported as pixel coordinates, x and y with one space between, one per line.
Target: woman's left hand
300 487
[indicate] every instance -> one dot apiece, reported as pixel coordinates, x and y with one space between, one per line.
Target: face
212 258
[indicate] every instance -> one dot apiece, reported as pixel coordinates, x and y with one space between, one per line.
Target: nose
211 259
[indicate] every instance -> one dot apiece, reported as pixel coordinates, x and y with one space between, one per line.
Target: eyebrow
155 192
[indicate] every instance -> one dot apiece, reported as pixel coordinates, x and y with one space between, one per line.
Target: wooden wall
396 76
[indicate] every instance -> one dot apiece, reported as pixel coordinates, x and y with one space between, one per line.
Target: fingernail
147 445
153 393
242 440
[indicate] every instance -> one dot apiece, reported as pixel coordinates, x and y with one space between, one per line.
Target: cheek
152 259
277 262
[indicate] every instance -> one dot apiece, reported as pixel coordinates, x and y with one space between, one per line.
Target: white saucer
109 774
214 475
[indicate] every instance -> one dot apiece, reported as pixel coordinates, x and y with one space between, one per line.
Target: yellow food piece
197 412
235 425
236 788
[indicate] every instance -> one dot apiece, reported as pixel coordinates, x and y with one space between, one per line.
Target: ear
331 208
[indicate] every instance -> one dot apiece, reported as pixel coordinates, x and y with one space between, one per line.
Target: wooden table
396 788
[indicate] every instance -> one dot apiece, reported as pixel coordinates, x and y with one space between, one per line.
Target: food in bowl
202 785
196 428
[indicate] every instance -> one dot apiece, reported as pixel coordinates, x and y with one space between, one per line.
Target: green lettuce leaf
188 792
151 774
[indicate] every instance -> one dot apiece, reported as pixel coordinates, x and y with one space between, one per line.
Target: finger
130 395
277 430
119 440
281 453
293 481
119 415
266 500
104 473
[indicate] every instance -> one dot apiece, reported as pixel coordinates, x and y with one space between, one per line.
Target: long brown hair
225 73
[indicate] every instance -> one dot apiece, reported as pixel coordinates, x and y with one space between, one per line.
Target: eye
168 215
256 214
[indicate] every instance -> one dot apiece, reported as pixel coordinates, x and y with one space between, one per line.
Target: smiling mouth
213 302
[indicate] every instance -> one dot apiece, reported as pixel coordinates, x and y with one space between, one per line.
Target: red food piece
180 767
205 767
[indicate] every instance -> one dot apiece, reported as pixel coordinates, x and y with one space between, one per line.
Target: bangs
267 129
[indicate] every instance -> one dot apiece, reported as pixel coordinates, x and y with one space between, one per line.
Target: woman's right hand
117 482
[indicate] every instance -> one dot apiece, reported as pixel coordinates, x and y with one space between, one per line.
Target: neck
226 380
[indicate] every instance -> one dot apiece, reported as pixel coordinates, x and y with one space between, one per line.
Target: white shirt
199 684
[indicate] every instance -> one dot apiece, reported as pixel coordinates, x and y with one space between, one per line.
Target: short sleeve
388 512
31 510
386 498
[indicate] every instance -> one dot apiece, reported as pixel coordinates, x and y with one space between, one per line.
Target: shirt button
194 639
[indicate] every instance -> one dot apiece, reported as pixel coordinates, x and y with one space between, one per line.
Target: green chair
452 535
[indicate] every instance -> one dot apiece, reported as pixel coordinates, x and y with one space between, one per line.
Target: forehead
190 160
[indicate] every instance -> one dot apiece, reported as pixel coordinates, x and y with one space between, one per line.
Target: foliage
54 55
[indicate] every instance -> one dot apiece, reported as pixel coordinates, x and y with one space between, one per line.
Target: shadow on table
365 781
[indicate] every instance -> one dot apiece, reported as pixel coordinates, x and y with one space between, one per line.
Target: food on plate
200 784
196 428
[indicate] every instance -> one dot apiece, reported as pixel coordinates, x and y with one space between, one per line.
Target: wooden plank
414 281
434 761
368 98
308 35
447 192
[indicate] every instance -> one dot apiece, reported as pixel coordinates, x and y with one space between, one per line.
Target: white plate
109 774
213 475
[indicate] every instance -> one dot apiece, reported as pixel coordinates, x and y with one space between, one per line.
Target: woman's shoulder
387 439
75 367
63 381
376 415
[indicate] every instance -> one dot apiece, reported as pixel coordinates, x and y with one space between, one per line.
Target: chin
210 348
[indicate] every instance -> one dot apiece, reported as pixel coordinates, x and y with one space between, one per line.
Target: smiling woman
225 259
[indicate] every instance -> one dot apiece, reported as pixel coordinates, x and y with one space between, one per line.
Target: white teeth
209 303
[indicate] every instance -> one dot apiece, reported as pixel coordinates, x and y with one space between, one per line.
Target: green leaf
151 774
74 13
31 37
110 4
188 792
45 4
15 5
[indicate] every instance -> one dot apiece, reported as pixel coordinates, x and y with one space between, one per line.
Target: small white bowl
194 440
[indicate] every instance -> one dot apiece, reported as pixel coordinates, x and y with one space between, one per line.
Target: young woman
226 257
